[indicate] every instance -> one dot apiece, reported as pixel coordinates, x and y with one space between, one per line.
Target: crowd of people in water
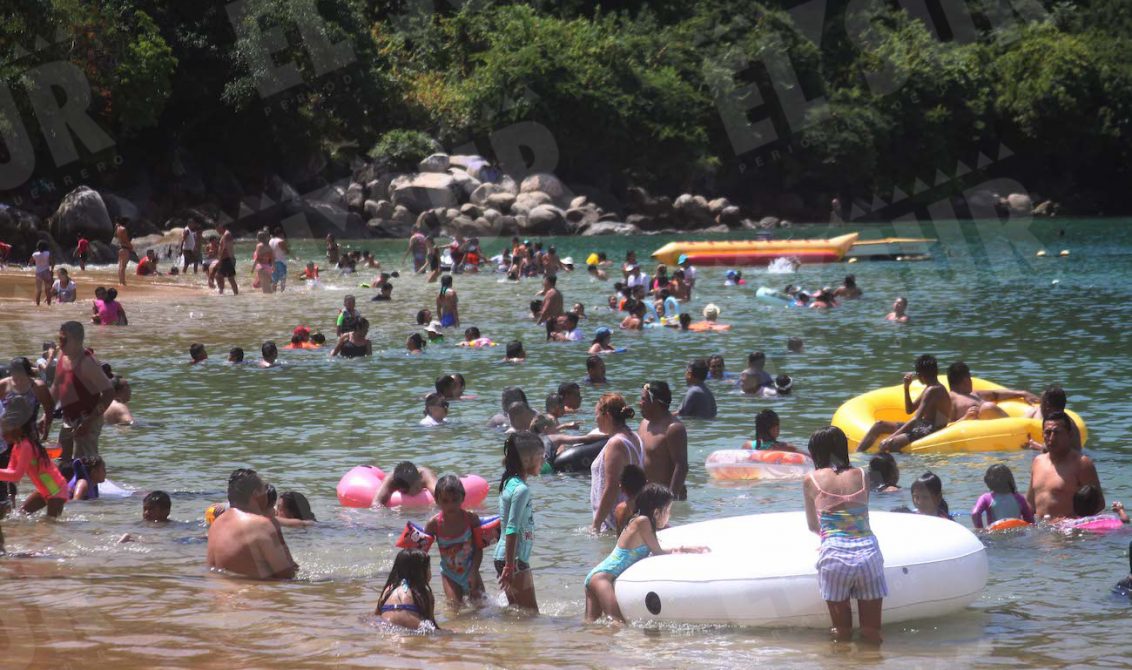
635 477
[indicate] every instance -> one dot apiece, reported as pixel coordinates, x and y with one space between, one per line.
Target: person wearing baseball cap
689 270
30 457
601 342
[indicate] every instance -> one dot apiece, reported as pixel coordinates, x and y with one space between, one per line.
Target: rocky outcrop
609 228
426 191
548 184
82 212
434 163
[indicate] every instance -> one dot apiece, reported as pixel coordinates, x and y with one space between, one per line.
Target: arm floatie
487 533
415 537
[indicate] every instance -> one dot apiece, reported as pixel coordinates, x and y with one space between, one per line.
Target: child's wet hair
157 499
632 479
405 474
449 485
1088 500
931 481
999 479
652 500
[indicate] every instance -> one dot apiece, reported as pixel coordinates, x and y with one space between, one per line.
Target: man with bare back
663 439
930 411
125 247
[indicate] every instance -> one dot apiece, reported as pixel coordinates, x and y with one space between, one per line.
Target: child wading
850 564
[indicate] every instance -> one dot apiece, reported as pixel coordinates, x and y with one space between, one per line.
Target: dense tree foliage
750 99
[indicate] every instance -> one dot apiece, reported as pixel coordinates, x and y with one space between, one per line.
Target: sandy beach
18 284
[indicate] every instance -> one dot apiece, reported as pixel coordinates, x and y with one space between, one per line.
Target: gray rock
82 212
717 206
447 214
1019 203
425 191
692 211
768 222
492 215
730 216
397 181
371 210
471 210
609 216
403 215
384 210
375 190
546 220
580 216
355 196
466 183
387 229
501 201
549 184
641 221
465 161
716 229
508 184
117 206
483 192
434 163
22 230
578 202
610 228
532 199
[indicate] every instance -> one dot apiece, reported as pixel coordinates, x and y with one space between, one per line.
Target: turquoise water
993 304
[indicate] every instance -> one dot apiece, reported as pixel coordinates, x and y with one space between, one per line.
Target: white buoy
1063 253
1056 282
1041 253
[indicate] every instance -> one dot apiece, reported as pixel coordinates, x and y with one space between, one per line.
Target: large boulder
21 230
730 216
692 211
579 216
465 183
425 191
508 184
769 222
379 209
471 211
483 192
717 206
610 228
507 225
117 206
387 228
356 197
1019 203
434 163
548 184
531 199
82 212
579 201
500 201
546 220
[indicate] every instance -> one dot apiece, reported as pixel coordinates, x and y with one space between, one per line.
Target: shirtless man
83 391
664 440
280 252
124 249
418 248
118 413
930 411
551 300
967 403
244 540
1055 476
551 263
898 313
332 253
448 304
226 266
1053 400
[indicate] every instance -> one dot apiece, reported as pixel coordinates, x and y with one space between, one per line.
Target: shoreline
19 285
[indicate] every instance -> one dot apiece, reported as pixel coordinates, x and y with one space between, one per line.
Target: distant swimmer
435 410
595 370
967 403
930 411
270 355
448 304
515 352
552 303
567 330
415 344
899 311
848 289
356 343
699 402
226 267
118 413
1053 400
348 316
408 480
602 342
244 540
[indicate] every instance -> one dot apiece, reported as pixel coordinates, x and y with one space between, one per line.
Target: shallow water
72 594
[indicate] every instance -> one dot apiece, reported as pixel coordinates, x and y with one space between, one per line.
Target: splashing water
782 266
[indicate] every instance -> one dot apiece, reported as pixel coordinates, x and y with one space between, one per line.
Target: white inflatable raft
760 572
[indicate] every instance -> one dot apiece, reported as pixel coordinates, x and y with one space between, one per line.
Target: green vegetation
633 93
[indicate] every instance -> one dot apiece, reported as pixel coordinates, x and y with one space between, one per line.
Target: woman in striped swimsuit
850 564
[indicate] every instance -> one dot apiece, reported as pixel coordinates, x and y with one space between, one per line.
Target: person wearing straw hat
29 457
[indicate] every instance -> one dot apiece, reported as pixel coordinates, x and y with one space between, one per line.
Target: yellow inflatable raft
856 416
756 252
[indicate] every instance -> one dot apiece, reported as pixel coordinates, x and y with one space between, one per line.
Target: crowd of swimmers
635 477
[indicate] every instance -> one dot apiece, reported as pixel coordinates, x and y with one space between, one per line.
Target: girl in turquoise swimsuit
407 597
638 540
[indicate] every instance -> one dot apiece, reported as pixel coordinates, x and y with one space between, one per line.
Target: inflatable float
709 327
1003 525
1100 523
760 572
856 416
756 252
746 464
772 296
577 458
359 487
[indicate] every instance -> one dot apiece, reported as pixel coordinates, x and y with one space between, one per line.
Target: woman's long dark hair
934 484
513 448
830 449
297 506
411 565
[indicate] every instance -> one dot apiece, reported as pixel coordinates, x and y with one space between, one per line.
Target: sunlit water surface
72 594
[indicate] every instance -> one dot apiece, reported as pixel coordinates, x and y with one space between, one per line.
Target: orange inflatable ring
1008 524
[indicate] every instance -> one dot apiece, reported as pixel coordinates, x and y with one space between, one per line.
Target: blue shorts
447 321
278 271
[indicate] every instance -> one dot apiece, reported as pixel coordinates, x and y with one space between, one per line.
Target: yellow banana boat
756 252
856 416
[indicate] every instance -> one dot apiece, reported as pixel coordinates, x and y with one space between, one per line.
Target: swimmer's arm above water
910 405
